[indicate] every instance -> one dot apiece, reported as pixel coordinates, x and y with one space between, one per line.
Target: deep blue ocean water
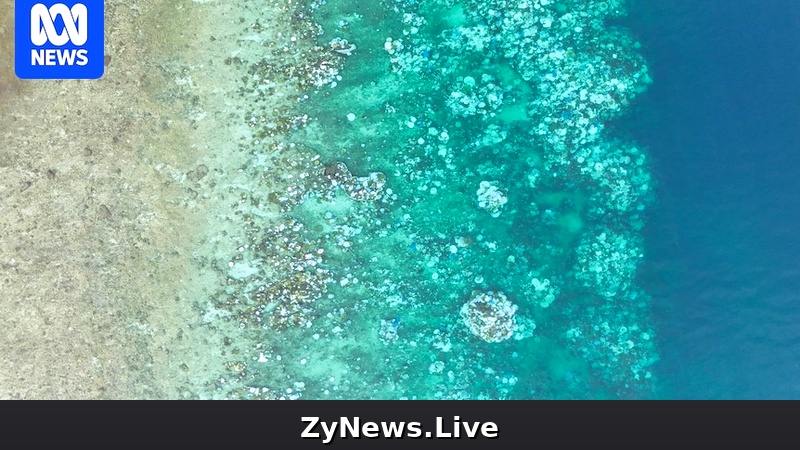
723 246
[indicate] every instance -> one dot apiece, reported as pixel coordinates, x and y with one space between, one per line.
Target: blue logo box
59 39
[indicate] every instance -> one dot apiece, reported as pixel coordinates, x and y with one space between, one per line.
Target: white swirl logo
43 27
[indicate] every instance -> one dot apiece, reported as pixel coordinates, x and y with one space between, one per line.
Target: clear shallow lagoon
460 224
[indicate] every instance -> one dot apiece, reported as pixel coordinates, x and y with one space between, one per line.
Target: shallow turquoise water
474 230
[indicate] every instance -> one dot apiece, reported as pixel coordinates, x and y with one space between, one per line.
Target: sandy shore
108 188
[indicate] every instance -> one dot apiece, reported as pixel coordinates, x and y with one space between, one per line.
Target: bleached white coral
491 198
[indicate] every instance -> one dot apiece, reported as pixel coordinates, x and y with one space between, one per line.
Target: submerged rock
490 316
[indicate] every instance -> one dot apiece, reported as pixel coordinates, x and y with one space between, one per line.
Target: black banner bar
363 424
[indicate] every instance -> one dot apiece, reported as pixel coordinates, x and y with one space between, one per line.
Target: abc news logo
59 40
43 30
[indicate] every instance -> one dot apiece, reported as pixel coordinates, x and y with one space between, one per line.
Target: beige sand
108 188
